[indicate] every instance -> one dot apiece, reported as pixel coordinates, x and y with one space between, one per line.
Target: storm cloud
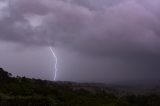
127 26
126 30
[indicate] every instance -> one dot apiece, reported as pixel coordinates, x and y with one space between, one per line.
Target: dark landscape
22 91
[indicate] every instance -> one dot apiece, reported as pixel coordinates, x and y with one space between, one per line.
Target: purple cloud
124 30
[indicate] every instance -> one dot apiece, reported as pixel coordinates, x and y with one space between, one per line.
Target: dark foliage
22 91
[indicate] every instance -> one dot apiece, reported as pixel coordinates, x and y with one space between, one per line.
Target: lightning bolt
56 60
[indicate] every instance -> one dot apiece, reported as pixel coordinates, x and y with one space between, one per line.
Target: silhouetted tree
4 75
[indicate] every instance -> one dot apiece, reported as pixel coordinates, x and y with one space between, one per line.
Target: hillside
22 91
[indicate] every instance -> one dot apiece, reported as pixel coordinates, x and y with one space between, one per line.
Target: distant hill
22 91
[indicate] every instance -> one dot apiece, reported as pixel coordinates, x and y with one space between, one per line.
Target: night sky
94 40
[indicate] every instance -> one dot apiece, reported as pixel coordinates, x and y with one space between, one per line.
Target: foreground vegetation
21 91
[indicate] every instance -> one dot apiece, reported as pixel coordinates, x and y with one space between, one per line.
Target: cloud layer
94 28
116 38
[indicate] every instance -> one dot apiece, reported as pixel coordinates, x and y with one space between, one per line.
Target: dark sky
94 40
